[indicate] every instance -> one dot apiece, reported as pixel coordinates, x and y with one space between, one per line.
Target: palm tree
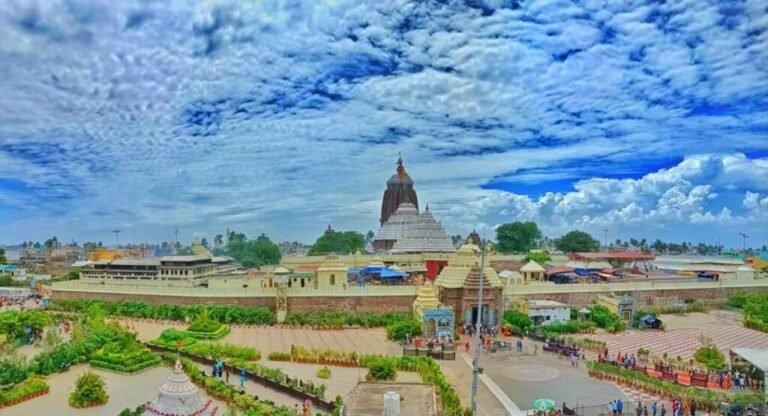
218 241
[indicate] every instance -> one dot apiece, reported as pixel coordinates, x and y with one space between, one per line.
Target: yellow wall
105 255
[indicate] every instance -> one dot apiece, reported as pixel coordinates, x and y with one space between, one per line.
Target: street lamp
476 359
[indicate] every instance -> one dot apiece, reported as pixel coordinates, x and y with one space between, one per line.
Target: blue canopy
647 318
392 274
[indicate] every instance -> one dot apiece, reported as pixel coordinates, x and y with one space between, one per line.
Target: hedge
126 369
27 389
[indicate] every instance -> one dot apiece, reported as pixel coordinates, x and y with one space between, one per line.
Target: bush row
139 309
27 389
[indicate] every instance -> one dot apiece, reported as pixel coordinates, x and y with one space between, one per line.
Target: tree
539 257
369 235
711 357
659 247
517 237
338 242
577 241
89 391
204 242
252 253
3 260
517 319
218 241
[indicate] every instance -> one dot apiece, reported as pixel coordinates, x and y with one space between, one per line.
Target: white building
179 271
545 312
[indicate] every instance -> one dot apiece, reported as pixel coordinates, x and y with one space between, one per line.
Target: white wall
560 314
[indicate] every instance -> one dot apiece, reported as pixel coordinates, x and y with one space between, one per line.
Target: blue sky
649 119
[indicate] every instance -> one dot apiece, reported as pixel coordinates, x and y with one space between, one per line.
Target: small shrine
436 318
179 397
533 272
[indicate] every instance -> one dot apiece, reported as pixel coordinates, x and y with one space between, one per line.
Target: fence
630 409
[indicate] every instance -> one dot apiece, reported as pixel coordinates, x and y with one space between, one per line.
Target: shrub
89 391
23 390
225 351
517 319
381 370
711 357
174 338
397 331
324 373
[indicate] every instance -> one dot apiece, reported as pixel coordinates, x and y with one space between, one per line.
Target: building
533 272
399 190
616 260
368 399
544 312
179 397
459 283
436 319
407 231
104 254
178 271
623 306
12 271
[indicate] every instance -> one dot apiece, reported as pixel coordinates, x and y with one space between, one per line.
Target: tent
651 322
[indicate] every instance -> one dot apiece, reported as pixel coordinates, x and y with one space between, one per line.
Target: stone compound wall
644 298
379 304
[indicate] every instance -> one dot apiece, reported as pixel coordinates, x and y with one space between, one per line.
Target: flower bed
124 358
26 390
174 338
228 352
705 398
218 333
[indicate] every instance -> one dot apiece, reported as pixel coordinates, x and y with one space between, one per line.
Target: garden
104 344
518 323
381 367
205 327
755 308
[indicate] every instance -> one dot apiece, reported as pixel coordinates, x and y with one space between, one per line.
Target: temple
399 190
407 231
179 397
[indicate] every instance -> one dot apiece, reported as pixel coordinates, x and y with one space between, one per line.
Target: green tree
517 237
252 253
659 247
89 391
539 257
3 260
577 241
711 357
517 319
338 242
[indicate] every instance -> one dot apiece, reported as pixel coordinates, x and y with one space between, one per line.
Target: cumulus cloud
281 117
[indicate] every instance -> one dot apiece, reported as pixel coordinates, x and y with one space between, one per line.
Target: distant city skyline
648 120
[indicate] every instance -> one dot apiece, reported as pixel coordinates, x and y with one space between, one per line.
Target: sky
646 119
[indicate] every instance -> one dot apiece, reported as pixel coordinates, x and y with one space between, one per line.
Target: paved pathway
124 392
681 342
267 339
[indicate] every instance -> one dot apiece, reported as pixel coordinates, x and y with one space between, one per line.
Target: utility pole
718 245
476 359
605 239
176 231
744 242
117 240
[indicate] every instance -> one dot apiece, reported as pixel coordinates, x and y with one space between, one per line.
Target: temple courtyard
683 334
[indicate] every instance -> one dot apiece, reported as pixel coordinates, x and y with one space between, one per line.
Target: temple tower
399 190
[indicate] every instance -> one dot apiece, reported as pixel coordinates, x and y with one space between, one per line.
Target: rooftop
756 356
415 399
134 262
614 255
534 304
184 258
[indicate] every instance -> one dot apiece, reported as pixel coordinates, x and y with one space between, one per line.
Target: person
693 408
663 410
645 410
639 409
535 349
653 409
227 376
242 378
466 347
619 406
612 408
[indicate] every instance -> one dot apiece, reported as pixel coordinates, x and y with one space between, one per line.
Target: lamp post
476 359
